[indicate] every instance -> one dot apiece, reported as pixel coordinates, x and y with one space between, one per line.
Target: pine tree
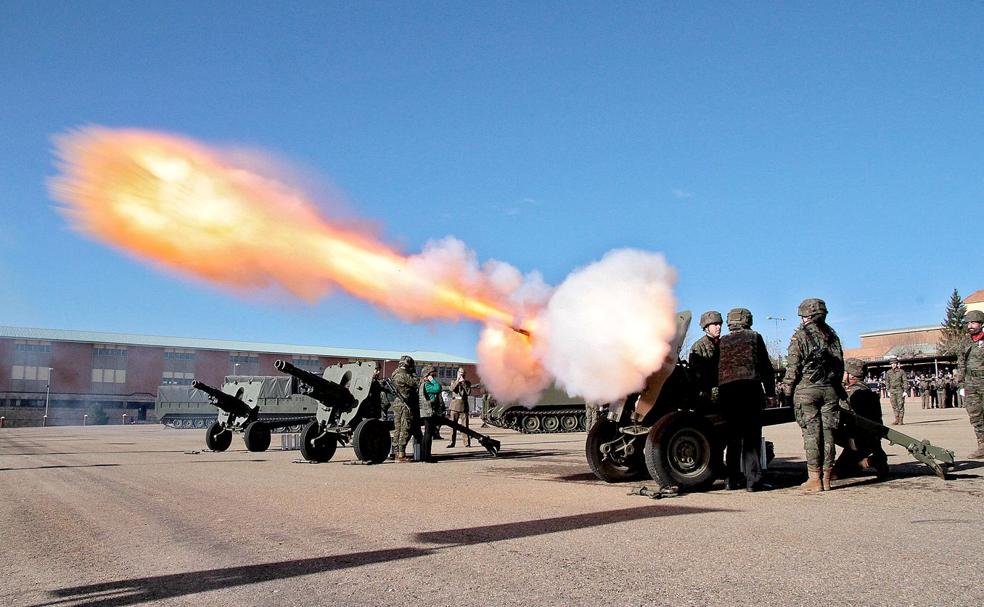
954 328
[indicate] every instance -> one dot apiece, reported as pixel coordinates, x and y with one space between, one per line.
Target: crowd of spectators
937 390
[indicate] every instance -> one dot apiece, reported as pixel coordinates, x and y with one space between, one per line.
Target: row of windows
30 373
110 351
32 347
108 376
182 355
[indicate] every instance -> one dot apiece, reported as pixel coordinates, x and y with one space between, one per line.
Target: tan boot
980 450
400 458
828 475
812 482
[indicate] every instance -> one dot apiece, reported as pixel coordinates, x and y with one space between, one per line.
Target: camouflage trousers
405 425
898 402
974 402
817 414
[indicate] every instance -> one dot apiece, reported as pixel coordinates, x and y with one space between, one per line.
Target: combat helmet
812 307
974 316
854 367
740 318
407 363
427 370
711 317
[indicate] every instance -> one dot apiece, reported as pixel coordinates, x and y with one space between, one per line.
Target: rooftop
903 330
133 339
975 297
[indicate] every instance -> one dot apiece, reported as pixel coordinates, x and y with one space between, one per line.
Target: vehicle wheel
316 450
371 441
551 423
531 424
682 450
569 423
582 422
199 423
256 436
217 438
295 428
614 466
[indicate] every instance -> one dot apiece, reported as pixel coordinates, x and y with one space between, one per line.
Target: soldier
460 389
744 368
406 411
860 452
590 415
815 368
924 391
704 355
970 374
933 392
431 410
896 389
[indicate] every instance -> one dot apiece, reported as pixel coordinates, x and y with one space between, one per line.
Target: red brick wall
6 362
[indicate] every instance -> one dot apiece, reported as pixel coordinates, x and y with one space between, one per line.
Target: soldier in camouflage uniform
897 383
405 406
970 374
815 368
704 355
863 452
924 391
744 370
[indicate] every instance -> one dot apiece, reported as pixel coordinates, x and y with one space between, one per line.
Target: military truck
677 438
185 407
553 412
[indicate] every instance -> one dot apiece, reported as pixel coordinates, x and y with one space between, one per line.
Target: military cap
711 317
740 317
812 307
427 370
974 316
855 367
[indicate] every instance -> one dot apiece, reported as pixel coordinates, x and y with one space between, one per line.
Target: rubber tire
673 432
257 436
217 438
530 424
570 423
551 423
320 453
371 441
603 431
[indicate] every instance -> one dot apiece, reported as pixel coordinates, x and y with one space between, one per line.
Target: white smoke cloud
508 366
609 325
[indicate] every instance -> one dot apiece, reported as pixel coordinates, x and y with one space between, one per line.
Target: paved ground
129 515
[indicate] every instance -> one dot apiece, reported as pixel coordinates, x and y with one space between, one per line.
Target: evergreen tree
954 328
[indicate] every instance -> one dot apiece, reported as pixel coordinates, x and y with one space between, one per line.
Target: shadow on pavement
162 587
508 531
54 466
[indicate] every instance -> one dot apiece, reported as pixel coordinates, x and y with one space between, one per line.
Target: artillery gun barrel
322 389
226 402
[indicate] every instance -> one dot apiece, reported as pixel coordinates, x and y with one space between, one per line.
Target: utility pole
778 319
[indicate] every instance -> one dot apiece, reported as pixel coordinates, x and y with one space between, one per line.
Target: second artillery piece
240 401
350 408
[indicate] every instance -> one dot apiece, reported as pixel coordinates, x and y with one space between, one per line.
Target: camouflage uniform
970 374
815 366
744 369
405 405
867 451
704 357
924 392
896 388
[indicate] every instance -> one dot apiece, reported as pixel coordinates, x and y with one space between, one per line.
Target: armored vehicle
189 407
554 412
240 402
677 438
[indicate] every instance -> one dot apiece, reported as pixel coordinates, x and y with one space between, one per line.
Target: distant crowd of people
937 391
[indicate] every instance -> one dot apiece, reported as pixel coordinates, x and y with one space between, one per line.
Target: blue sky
771 151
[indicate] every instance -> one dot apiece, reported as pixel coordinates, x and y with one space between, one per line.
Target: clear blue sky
771 151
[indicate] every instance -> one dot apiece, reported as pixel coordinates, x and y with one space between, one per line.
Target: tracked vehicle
671 435
554 412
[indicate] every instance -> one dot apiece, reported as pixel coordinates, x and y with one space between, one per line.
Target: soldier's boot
901 417
813 482
400 457
828 476
980 450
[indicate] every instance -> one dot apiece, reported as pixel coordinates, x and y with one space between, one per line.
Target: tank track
203 421
515 420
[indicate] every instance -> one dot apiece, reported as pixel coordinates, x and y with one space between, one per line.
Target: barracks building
70 372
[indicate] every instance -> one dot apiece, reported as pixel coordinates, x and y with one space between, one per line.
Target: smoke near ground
241 224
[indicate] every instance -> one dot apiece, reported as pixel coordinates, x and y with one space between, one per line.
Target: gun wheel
613 467
257 436
371 441
316 450
217 438
682 450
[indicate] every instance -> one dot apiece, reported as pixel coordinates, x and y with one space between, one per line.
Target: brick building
76 370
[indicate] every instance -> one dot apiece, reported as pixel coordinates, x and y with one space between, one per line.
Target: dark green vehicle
554 412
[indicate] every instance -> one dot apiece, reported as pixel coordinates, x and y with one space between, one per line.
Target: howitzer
227 402
324 390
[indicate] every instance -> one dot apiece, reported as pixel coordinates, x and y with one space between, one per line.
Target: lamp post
235 369
778 319
47 393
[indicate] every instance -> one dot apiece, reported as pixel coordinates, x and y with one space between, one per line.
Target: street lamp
47 393
778 319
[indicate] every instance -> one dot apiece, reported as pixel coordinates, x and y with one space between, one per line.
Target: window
308 363
244 358
178 354
109 376
32 346
30 373
109 351
177 378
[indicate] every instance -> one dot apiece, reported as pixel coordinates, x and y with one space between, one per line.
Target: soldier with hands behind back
897 383
814 370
